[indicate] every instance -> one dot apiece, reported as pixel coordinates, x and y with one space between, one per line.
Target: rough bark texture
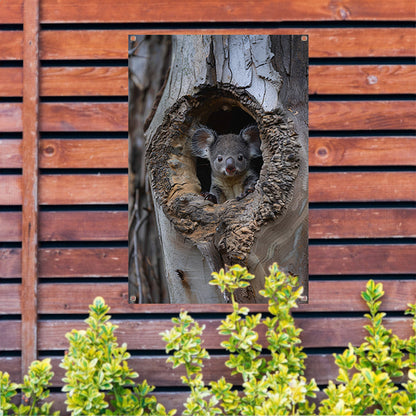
226 83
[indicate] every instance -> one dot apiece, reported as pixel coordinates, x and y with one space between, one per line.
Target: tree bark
227 83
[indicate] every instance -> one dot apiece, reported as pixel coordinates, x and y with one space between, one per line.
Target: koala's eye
219 158
240 158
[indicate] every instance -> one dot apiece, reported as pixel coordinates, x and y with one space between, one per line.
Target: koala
230 157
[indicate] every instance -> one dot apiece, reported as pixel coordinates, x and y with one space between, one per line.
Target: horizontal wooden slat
196 11
72 81
159 373
112 225
112 153
362 151
11 44
362 223
10 299
324 296
362 186
83 153
83 117
323 115
112 262
362 259
112 189
11 82
11 117
10 153
362 115
11 11
323 79
362 79
144 334
356 42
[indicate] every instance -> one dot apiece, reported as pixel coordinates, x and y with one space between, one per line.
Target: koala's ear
201 142
251 136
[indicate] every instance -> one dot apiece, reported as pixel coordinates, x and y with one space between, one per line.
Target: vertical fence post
30 181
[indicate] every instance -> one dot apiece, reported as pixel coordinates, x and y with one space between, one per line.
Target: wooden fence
63 166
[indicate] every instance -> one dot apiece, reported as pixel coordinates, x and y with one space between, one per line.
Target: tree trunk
227 83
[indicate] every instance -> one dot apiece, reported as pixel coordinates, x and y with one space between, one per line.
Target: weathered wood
362 79
10 226
362 115
190 11
11 82
323 43
83 117
324 296
323 115
111 153
11 11
317 332
362 151
90 226
10 300
323 79
112 225
362 223
83 189
362 186
83 153
362 259
11 44
112 189
13 341
11 117
112 262
72 81
10 153
30 181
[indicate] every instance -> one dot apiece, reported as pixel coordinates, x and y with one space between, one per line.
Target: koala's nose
230 165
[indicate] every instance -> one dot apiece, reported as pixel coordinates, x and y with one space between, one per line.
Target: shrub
98 380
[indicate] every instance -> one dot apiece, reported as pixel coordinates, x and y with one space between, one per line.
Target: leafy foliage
269 387
34 388
367 373
98 379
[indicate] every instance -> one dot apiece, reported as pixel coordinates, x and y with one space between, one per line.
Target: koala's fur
230 157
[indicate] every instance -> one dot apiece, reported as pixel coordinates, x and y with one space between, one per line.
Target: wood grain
362 79
362 223
336 259
11 11
11 117
11 44
190 11
323 43
11 82
362 151
144 334
10 300
362 186
362 115
323 79
112 225
323 115
112 153
112 188
10 154
84 81
83 153
362 259
324 296
30 181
